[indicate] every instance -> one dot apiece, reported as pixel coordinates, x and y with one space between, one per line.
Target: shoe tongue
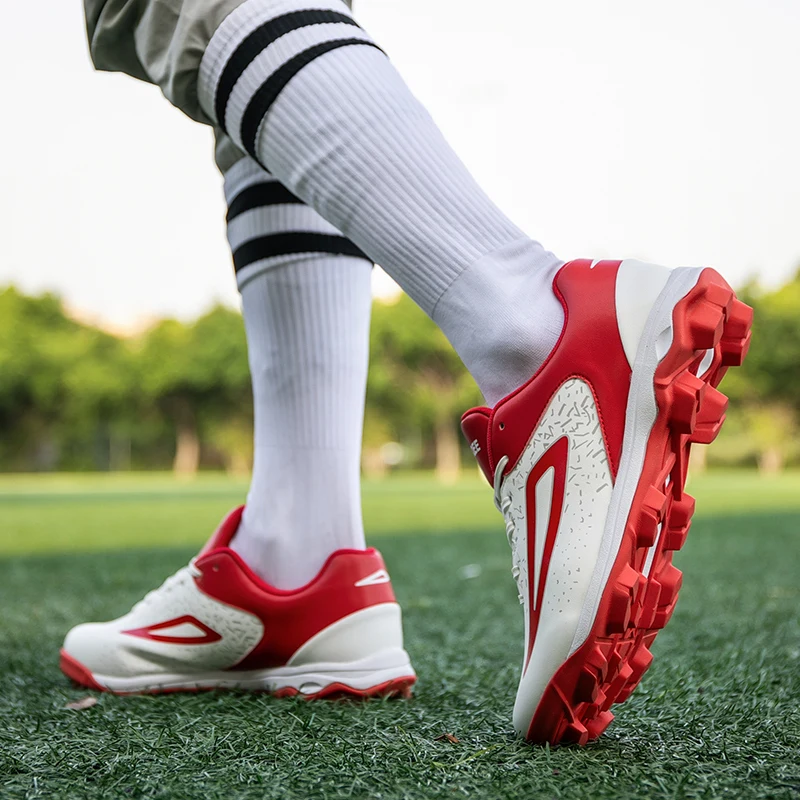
475 426
225 532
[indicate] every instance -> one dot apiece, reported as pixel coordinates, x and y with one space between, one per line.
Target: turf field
716 717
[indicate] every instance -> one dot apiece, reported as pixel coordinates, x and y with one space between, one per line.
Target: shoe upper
590 350
552 450
216 614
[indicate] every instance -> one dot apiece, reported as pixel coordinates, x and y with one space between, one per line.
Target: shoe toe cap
96 648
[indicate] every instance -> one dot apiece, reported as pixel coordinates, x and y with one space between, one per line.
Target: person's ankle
502 316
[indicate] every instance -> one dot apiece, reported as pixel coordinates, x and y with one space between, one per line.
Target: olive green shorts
161 42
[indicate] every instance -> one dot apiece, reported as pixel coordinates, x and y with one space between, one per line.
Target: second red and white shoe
588 462
215 624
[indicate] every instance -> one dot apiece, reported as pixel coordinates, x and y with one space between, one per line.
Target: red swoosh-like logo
150 632
555 457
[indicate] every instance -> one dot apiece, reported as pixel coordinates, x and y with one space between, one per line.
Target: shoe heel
361 635
386 674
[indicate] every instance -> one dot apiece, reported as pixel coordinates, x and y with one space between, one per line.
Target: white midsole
640 416
386 665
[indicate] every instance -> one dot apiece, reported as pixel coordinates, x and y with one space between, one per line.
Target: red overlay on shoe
77 672
290 618
589 348
554 458
151 632
475 425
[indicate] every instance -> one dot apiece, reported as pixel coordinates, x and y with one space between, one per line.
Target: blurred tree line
74 397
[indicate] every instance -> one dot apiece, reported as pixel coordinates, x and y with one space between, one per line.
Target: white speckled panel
104 649
572 413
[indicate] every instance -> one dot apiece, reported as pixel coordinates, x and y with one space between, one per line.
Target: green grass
716 716
61 513
78 512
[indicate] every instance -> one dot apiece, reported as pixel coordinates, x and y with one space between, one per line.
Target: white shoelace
190 571
503 503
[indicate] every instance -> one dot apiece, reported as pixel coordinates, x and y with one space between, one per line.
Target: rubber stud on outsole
640 662
706 324
736 337
620 607
599 724
719 295
740 319
710 416
575 733
670 579
650 604
592 675
687 394
618 684
680 520
650 518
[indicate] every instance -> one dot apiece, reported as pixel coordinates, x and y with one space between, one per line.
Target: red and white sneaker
588 461
216 625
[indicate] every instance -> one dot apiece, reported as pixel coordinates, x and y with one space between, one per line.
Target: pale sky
614 128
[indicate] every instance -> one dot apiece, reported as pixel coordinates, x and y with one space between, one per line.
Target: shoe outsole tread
398 687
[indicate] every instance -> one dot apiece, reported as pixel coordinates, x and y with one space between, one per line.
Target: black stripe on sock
267 93
259 40
284 244
260 195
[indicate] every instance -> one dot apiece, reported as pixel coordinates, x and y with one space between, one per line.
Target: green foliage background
75 397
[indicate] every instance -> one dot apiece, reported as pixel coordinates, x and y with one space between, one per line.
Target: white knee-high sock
307 93
306 303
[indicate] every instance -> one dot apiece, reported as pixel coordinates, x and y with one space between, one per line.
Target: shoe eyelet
502 426
215 567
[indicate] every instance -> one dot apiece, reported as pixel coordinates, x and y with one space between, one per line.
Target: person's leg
306 303
305 90
217 623
302 88
284 597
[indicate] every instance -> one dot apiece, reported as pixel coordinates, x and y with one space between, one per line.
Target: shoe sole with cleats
710 332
